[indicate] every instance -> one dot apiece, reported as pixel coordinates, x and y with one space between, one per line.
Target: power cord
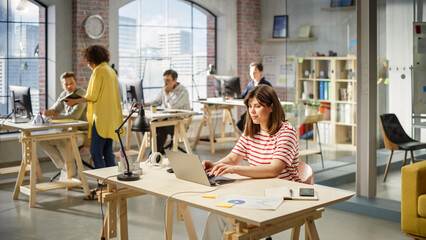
167 200
102 210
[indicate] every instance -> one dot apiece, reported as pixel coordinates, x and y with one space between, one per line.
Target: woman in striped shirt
269 144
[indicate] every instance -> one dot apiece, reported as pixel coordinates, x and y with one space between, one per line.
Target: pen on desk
291 192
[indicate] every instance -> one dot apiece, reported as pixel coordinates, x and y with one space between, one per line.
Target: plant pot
311 111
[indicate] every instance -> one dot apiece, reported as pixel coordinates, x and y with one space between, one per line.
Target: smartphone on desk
306 192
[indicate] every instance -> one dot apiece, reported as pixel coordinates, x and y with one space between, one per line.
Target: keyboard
213 180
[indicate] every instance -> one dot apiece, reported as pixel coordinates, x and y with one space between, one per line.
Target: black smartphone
306 192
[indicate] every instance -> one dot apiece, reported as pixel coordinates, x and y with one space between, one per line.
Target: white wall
399 52
331 28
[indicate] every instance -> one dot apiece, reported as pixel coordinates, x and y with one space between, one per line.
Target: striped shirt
178 98
263 148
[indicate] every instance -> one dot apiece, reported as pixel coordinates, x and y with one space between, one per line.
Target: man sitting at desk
256 72
56 149
173 95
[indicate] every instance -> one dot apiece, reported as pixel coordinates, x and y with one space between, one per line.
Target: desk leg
143 146
224 116
80 167
69 159
122 218
310 228
169 220
232 121
25 161
138 138
184 137
211 134
153 139
33 173
295 233
105 227
203 121
185 215
176 137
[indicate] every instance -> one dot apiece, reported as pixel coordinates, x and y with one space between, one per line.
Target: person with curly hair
104 112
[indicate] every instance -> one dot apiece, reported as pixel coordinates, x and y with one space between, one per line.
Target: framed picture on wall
280 26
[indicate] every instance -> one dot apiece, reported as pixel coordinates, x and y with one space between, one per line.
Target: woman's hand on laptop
221 168
207 165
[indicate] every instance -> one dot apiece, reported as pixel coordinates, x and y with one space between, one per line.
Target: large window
156 35
22 50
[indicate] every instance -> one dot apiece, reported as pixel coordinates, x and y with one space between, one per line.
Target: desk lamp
140 124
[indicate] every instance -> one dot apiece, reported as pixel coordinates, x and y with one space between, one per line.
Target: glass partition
315 67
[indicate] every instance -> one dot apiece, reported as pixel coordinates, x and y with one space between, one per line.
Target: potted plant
312 106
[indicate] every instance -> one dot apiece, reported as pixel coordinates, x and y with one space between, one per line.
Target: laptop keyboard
213 180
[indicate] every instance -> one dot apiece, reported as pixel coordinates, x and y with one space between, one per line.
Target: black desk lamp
140 124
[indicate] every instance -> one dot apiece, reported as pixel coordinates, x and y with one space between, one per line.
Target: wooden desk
29 157
166 117
247 222
214 104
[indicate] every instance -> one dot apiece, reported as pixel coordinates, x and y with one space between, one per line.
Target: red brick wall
249 22
81 9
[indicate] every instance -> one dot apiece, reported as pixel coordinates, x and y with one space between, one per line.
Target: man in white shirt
56 149
173 95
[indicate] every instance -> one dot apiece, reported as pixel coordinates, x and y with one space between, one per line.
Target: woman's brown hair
267 97
95 54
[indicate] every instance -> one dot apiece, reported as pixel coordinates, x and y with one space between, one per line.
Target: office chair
395 138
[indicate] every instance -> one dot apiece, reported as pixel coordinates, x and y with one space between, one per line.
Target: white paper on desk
264 203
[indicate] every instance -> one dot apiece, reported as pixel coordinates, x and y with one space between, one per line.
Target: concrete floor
62 214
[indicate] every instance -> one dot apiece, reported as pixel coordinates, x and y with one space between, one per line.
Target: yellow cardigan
104 106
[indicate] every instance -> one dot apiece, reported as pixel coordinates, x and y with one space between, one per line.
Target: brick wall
81 9
249 22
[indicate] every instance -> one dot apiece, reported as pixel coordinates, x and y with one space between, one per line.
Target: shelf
346 124
345 102
287 39
337 9
345 80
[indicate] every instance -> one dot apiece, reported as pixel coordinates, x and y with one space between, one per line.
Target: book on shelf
289 193
321 90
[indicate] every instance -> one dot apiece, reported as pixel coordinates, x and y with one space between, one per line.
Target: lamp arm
121 142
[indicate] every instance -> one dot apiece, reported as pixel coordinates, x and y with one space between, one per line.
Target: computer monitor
130 91
21 103
227 86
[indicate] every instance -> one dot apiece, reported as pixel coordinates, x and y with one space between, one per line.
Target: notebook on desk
188 167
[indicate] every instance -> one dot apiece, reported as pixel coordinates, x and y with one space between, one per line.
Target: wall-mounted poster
280 26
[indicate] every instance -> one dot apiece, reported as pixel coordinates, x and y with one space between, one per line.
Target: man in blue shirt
256 72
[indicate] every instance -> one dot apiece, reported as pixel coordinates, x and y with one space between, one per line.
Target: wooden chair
395 138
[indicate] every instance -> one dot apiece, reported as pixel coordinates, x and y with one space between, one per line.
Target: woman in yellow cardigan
103 106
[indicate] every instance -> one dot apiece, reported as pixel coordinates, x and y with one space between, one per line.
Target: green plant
313 103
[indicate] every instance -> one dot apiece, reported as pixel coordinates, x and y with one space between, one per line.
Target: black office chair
395 138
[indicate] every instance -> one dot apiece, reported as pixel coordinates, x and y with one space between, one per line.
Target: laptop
188 167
